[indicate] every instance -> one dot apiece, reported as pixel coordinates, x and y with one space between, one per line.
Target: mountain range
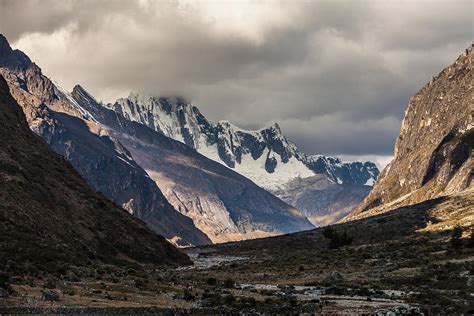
87 189
264 156
191 180
222 203
48 214
205 209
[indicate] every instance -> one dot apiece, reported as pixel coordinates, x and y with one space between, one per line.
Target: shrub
211 281
4 277
229 283
248 301
50 284
456 238
70 291
188 295
228 299
336 240
328 232
470 241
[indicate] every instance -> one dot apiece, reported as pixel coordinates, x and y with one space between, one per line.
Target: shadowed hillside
48 214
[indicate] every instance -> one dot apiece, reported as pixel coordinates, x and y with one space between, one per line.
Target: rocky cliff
48 214
434 153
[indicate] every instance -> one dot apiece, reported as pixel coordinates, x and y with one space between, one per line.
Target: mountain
321 200
100 159
49 214
433 154
265 156
222 203
133 165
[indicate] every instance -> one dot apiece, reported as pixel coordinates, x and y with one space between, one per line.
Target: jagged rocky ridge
324 188
433 154
119 158
264 156
222 203
105 163
48 214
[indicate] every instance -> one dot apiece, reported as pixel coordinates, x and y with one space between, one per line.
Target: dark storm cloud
336 75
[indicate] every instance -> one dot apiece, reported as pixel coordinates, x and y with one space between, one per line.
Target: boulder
72 277
470 281
334 277
50 295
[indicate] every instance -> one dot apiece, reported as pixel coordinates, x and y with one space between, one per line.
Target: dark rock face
41 191
102 160
10 58
454 150
26 74
277 143
434 152
255 145
270 163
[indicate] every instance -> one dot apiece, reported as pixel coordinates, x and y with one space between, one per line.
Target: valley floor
395 261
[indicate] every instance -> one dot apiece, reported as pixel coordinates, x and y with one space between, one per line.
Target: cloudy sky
336 75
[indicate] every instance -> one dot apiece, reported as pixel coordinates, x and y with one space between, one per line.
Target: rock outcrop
434 153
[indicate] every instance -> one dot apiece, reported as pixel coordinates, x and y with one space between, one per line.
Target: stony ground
422 272
402 260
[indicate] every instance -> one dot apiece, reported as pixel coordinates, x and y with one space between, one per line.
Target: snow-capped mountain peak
266 156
